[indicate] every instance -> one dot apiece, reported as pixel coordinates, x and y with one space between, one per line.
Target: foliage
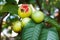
10 8
49 34
33 31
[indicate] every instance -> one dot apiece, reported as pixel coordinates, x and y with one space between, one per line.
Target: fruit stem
39 4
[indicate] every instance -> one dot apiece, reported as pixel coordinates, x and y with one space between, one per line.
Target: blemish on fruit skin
24 11
24 8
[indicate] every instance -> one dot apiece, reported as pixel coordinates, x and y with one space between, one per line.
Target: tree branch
39 4
1 20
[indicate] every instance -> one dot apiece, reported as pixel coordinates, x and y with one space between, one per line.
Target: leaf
13 9
30 1
49 34
59 34
53 22
31 33
46 5
11 19
55 3
30 24
1 0
18 37
11 1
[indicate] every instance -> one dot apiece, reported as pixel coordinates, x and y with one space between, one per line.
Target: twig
1 20
39 4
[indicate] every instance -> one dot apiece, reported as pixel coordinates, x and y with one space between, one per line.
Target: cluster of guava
27 14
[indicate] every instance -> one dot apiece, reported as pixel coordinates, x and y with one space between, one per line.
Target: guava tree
37 24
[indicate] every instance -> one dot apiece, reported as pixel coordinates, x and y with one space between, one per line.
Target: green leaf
18 37
1 6
30 1
30 24
11 1
55 3
59 34
53 22
31 33
12 18
49 34
1 0
46 5
13 9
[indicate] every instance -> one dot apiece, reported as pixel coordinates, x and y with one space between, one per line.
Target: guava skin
24 11
25 21
17 26
37 16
